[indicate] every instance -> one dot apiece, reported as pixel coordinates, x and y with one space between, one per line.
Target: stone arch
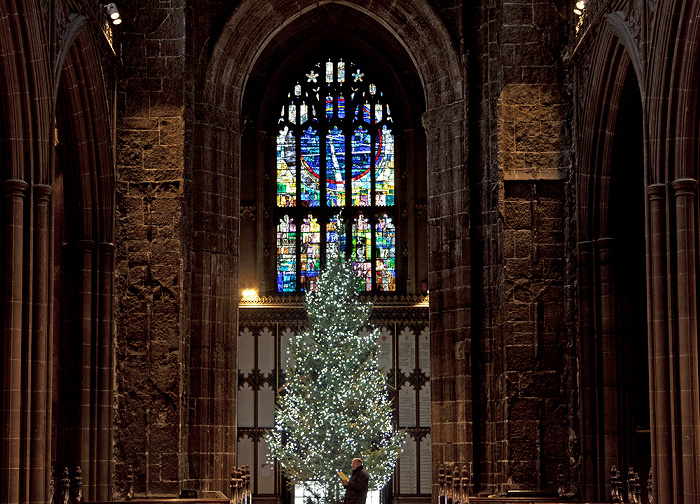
672 129
611 256
81 90
83 265
25 112
215 170
600 107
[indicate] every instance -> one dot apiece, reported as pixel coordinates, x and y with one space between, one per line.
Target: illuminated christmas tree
335 404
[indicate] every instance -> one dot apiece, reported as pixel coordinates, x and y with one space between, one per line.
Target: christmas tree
335 404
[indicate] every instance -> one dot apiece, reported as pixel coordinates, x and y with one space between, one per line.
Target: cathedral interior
516 180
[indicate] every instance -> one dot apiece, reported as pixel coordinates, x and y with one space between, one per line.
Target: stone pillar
450 288
101 487
592 469
12 382
38 406
659 373
686 392
609 390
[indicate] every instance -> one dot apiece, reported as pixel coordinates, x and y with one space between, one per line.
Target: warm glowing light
580 5
117 21
250 294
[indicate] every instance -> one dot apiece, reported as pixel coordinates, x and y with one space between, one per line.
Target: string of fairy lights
335 405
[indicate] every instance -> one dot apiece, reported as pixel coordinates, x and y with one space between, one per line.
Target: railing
455 487
70 491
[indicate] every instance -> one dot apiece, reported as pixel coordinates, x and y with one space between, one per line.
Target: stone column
12 384
39 403
450 288
592 472
75 369
659 373
101 486
686 391
609 389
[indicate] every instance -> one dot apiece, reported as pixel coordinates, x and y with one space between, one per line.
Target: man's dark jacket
356 489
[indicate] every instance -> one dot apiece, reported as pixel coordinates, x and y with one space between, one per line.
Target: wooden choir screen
266 327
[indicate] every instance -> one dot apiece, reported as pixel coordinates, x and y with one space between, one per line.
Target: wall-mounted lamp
580 5
113 13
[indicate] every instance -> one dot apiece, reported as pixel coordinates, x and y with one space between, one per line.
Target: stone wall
150 276
522 357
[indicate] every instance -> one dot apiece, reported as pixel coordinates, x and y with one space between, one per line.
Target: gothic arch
611 255
671 129
216 165
25 110
602 93
83 178
83 122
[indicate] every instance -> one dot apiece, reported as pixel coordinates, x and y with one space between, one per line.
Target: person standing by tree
356 487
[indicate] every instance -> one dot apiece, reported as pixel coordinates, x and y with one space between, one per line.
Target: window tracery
335 156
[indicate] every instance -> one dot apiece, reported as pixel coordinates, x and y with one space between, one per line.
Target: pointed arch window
335 156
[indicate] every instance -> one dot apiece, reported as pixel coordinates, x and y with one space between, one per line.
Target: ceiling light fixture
113 13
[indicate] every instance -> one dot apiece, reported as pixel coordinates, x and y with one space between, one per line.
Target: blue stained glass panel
335 237
341 107
329 107
335 168
310 187
386 254
310 252
286 169
361 168
363 115
286 255
362 249
384 168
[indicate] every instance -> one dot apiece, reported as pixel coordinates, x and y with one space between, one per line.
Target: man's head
356 462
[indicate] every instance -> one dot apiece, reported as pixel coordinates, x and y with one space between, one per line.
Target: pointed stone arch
83 182
610 122
215 171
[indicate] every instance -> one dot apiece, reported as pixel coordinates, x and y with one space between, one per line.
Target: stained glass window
335 156
310 252
385 254
286 255
362 249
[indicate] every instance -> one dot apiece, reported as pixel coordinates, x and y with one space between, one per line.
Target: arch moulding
255 25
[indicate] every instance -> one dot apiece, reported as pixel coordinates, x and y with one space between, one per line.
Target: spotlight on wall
580 5
113 13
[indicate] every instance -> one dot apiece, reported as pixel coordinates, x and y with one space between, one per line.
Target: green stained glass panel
362 249
286 169
310 252
335 237
385 254
384 178
286 255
